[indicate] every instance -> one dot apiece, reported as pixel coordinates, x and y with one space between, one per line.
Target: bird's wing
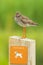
24 17
26 20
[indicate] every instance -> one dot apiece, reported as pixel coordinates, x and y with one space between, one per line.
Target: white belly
20 22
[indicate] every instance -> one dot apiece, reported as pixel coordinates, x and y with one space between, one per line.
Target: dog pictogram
18 54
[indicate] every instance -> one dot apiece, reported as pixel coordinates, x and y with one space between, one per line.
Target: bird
24 22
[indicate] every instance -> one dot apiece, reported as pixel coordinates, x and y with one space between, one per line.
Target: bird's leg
24 32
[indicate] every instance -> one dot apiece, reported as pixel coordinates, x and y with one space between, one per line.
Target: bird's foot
23 37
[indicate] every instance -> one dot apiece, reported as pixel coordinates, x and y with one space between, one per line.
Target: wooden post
22 51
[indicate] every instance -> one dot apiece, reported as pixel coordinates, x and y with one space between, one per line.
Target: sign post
22 51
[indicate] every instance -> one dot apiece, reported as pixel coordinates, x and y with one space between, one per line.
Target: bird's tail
32 23
35 24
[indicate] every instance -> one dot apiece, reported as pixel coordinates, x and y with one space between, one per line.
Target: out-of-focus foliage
31 8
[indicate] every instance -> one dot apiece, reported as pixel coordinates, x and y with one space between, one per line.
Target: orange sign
18 55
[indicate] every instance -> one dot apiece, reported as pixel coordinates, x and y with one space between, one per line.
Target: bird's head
18 14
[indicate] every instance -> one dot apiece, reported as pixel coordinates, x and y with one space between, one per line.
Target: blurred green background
31 8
